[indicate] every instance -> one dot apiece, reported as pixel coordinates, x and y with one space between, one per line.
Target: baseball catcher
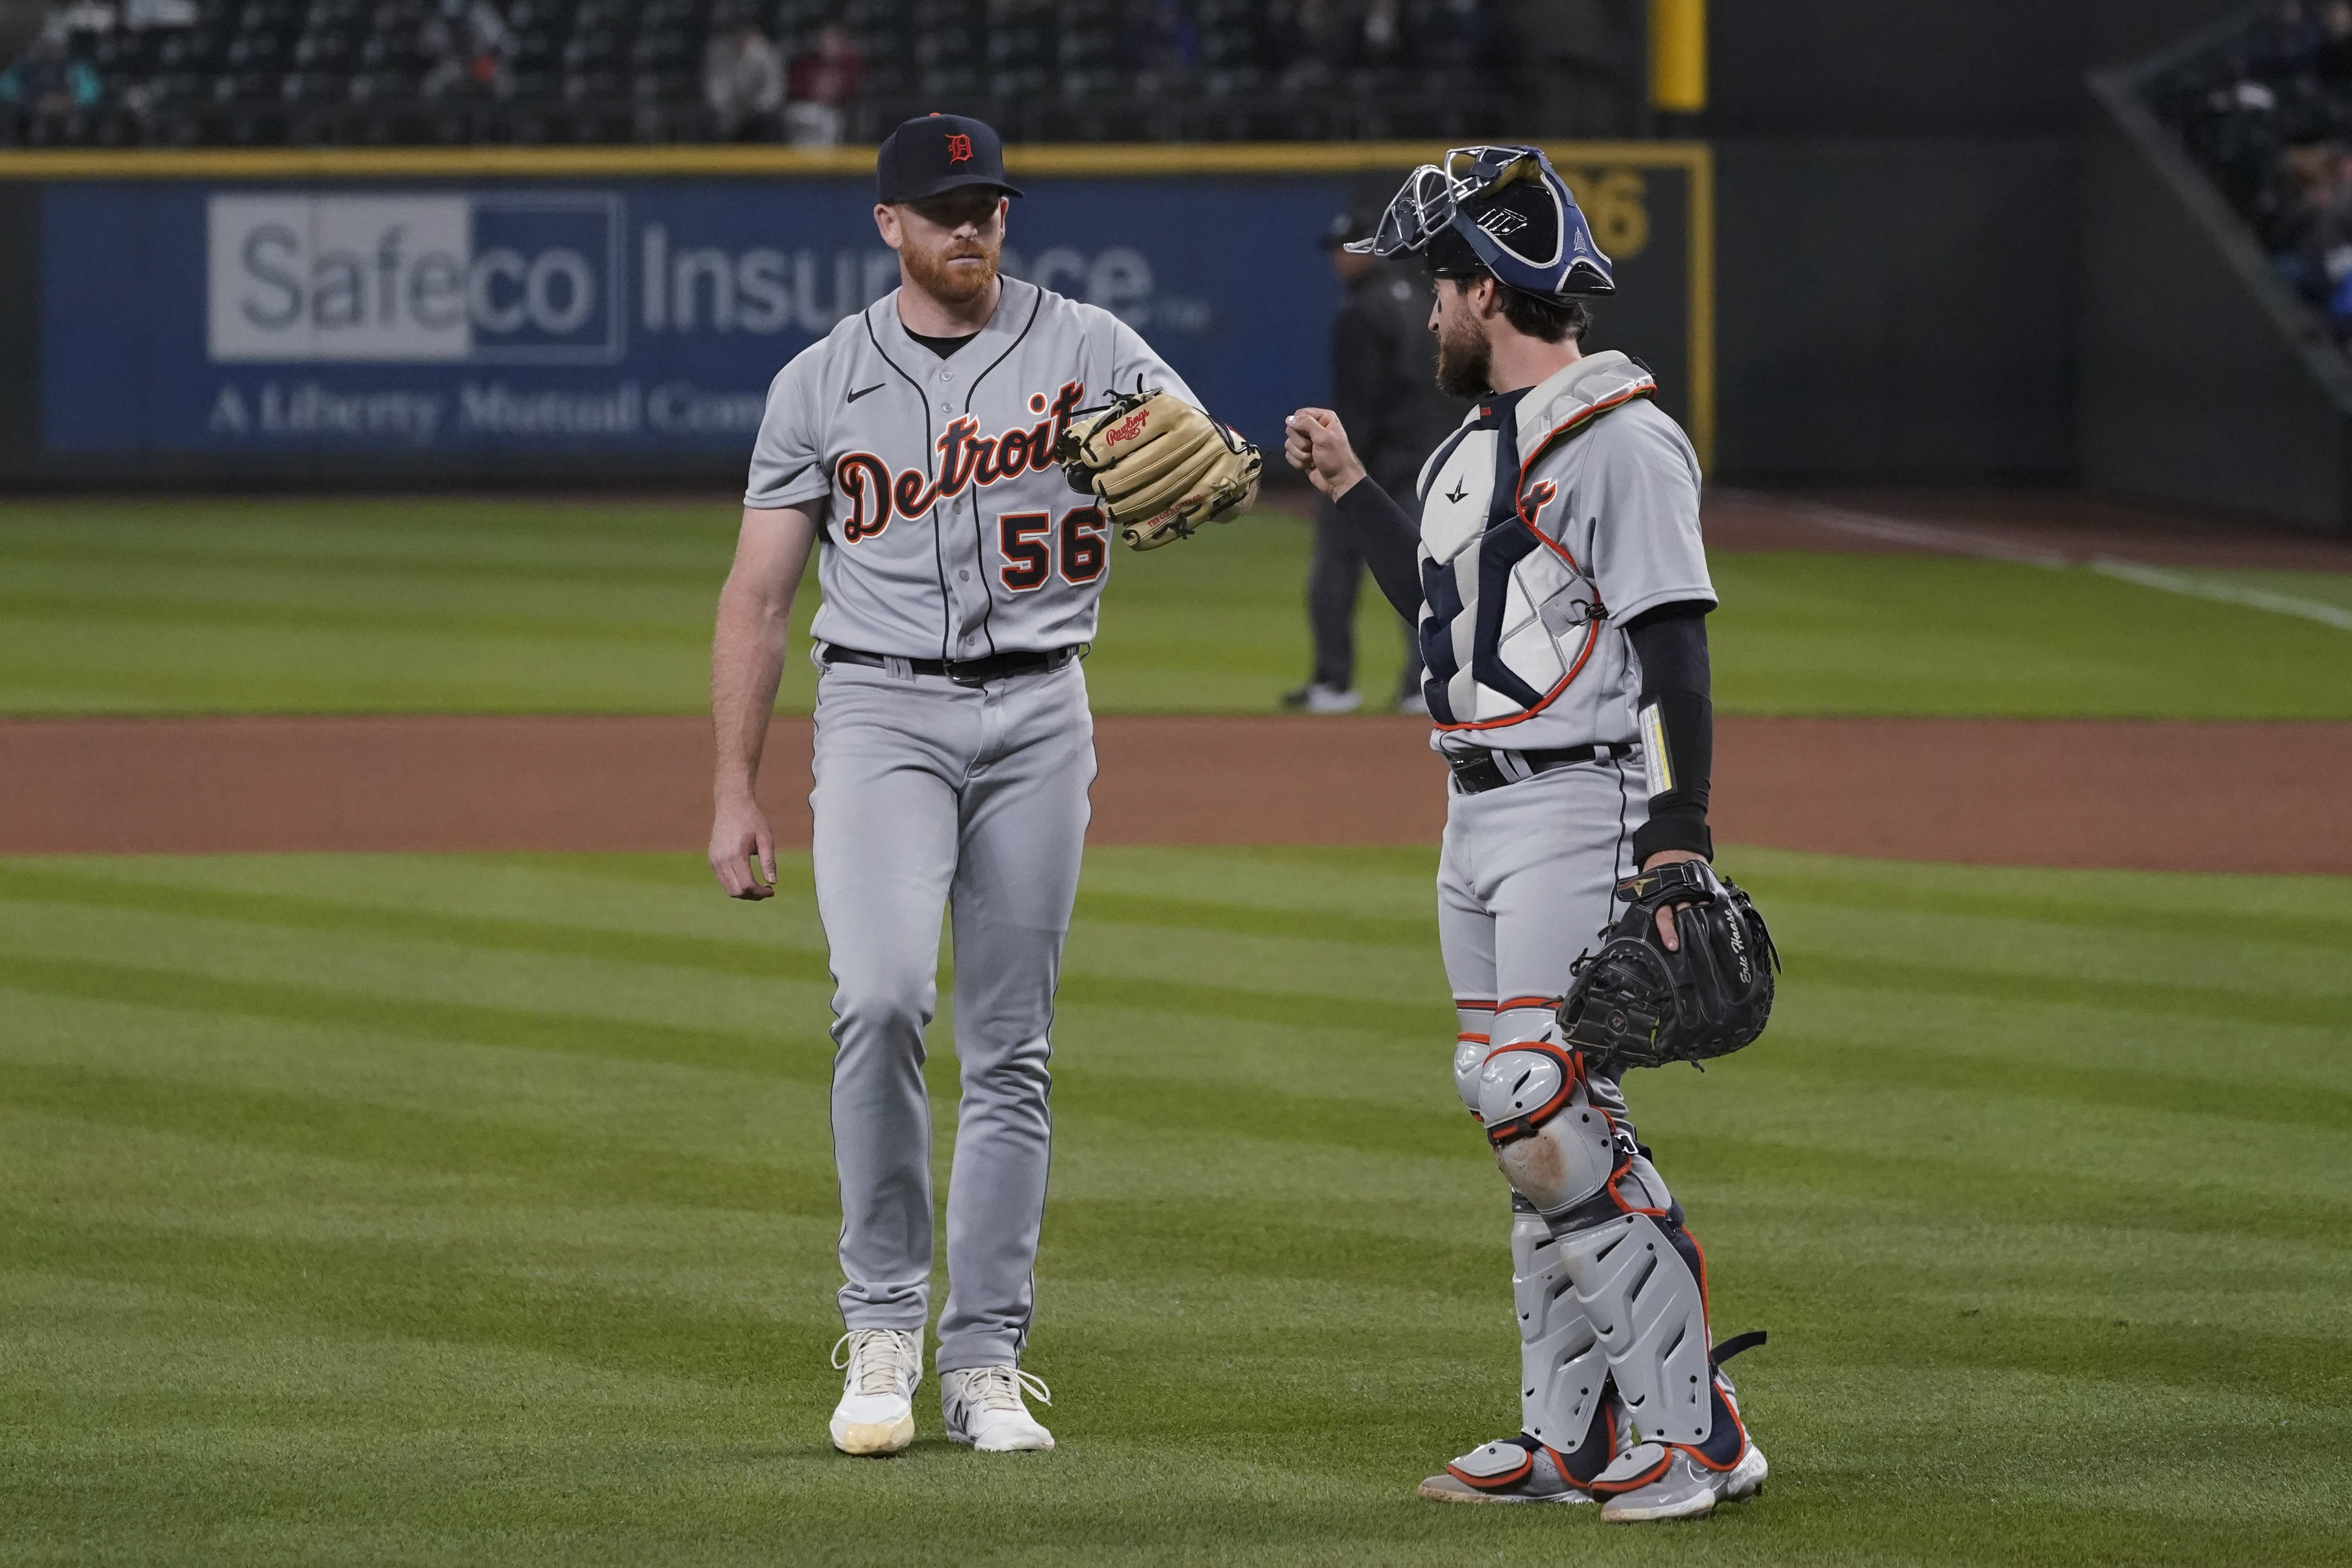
1160 466
1552 565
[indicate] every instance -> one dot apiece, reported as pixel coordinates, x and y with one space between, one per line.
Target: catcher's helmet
1503 209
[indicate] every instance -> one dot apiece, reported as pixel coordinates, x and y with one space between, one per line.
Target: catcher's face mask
1512 211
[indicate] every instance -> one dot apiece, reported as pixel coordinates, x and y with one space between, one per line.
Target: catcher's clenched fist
1160 466
1316 443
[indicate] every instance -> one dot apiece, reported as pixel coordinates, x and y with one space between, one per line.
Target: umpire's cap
1348 228
938 152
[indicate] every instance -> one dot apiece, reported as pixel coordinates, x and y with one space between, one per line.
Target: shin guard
1565 1404
1648 1308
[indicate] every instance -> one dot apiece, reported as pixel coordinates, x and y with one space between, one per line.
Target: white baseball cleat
1682 1488
982 1407
1316 698
881 1368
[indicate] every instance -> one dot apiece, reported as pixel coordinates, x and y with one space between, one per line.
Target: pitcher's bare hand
739 834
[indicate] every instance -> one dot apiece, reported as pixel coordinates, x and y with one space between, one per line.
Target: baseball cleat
1512 1469
1675 1481
880 1370
982 1407
1681 1487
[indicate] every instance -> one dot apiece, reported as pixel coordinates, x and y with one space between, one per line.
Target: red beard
949 285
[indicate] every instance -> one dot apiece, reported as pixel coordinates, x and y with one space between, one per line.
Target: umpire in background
1384 384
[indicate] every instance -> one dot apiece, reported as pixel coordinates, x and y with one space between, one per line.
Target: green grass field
447 606
440 1210
480 1209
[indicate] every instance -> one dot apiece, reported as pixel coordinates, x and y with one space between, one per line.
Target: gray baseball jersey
1516 655
950 532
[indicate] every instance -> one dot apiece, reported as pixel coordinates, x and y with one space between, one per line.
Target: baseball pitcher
950 452
1553 569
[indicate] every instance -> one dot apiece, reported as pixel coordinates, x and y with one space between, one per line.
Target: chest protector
1508 615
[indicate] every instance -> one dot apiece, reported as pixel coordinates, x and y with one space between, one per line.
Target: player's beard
931 272
1464 360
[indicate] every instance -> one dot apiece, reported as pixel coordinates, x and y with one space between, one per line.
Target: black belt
1476 771
962 671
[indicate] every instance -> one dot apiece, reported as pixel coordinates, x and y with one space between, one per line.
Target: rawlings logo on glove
1175 467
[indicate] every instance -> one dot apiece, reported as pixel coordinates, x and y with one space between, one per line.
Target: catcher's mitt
1160 466
1634 1004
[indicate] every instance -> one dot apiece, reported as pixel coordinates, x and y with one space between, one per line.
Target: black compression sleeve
1391 544
1671 642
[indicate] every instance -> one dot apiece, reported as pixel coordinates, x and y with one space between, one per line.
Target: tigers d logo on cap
934 153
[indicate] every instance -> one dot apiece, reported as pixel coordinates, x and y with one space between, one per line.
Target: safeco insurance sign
352 279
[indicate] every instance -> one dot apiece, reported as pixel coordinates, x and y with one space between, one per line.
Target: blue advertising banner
318 318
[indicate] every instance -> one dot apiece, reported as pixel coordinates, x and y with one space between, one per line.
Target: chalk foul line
1962 541
2327 615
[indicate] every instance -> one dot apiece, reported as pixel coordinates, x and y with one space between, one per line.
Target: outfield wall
481 316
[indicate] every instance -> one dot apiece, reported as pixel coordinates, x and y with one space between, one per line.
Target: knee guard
1649 1312
1565 1402
1471 1046
1553 1145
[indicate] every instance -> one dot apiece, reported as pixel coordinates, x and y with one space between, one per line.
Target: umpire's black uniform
1384 390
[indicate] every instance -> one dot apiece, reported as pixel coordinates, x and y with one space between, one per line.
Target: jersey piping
939 561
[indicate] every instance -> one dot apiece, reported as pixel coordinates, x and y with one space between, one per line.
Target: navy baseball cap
936 153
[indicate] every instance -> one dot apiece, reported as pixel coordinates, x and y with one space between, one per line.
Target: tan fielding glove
1160 466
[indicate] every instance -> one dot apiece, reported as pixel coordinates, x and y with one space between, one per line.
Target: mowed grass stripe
1306 1008
384 1285
288 564
248 615
2147 1089
2330 937
1348 1121
1178 1104
547 1162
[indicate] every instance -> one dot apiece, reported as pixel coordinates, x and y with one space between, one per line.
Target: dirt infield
2078 793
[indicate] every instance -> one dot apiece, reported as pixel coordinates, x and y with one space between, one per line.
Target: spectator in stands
1311 40
1379 37
823 81
49 81
2317 256
1459 34
1160 37
137 13
467 45
743 82
2332 63
2285 43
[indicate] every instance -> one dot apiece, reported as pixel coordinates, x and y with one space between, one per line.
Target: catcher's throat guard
1161 467
1636 1004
